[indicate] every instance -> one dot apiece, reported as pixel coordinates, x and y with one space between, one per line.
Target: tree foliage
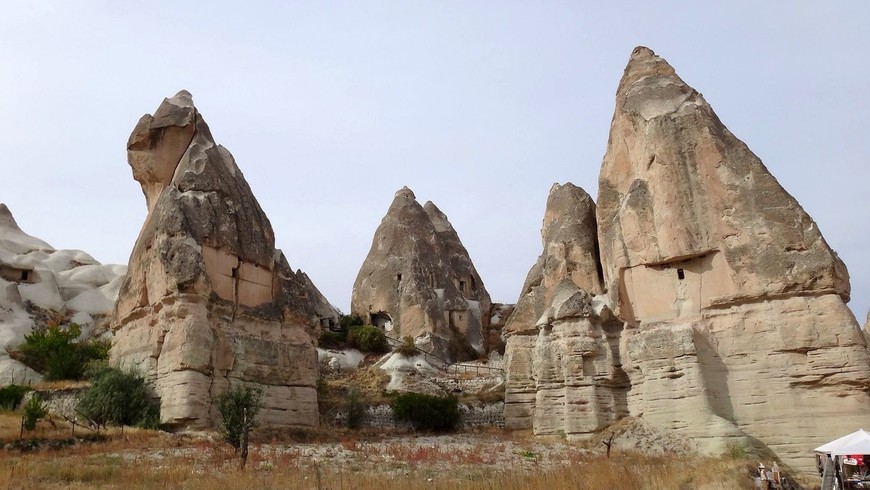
407 348
427 412
238 408
58 354
11 396
119 397
368 338
34 411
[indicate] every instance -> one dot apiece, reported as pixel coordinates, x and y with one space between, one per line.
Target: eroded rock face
418 280
208 300
738 328
39 283
562 355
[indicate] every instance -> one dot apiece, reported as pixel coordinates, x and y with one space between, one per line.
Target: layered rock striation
418 280
208 301
737 329
564 373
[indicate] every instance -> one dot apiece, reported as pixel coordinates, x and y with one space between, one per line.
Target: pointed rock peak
437 217
158 142
6 218
405 193
651 87
182 98
570 212
177 110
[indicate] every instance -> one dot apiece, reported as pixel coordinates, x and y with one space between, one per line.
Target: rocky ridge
562 341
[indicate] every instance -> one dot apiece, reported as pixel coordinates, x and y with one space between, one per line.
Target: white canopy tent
857 442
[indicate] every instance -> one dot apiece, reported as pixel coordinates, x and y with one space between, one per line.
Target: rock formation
737 327
39 283
208 300
562 348
418 281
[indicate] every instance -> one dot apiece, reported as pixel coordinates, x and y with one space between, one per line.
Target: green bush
11 396
348 321
427 412
332 340
34 411
119 398
407 348
238 408
57 354
356 409
367 338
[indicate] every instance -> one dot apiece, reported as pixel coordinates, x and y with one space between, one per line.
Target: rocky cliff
208 301
737 328
418 280
562 342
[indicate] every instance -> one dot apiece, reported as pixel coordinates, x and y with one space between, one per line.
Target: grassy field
340 460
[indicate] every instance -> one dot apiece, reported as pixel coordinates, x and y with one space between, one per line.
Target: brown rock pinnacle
208 300
738 328
418 280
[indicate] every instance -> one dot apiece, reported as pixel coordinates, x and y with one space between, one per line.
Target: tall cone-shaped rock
208 300
562 347
418 280
739 330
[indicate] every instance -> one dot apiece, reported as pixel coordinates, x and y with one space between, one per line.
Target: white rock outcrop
38 280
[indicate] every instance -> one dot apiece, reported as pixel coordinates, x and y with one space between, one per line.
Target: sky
330 107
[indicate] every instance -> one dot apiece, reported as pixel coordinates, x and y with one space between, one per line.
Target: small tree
238 408
356 409
11 396
368 338
120 398
427 412
407 348
34 411
58 354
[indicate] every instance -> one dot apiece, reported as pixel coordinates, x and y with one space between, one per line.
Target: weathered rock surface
562 348
418 280
569 238
38 283
738 330
208 301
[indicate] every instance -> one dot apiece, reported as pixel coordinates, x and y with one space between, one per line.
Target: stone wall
60 403
381 417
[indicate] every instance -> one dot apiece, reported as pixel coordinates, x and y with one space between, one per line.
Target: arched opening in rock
382 321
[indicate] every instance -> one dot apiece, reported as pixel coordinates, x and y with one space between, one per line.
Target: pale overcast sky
330 107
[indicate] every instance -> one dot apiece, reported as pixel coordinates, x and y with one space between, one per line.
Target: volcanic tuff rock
738 330
562 348
418 281
208 301
39 283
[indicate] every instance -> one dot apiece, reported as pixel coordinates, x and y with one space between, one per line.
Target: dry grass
150 459
60 384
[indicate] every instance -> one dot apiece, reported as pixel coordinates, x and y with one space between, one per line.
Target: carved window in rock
462 288
382 320
14 274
